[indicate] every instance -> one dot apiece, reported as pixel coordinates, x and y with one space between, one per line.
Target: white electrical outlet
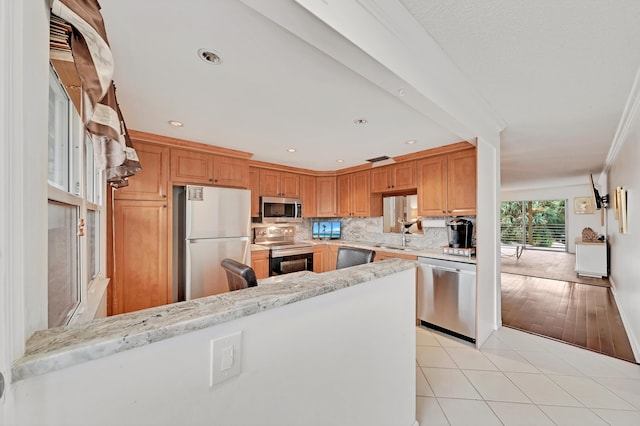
226 356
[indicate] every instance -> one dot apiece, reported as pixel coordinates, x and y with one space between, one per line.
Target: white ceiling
558 73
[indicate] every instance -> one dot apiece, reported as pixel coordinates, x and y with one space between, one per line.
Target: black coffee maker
460 233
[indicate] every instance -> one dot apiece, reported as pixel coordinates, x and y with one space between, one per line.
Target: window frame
85 200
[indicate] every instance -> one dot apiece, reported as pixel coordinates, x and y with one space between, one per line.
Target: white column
488 311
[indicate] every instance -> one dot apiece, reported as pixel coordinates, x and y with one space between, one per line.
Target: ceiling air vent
383 160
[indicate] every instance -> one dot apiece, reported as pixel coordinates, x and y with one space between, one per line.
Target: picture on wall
583 205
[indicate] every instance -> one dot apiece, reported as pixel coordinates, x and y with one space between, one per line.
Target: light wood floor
583 315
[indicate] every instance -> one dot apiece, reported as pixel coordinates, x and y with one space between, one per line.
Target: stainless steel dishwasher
446 296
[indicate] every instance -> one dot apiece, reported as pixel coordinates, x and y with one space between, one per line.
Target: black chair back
239 275
351 256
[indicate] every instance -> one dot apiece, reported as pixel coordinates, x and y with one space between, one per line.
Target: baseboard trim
635 345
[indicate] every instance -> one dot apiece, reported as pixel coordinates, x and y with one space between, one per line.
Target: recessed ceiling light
291 150
339 161
411 142
210 56
176 123
360 121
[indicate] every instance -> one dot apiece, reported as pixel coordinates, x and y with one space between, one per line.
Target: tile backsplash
370 230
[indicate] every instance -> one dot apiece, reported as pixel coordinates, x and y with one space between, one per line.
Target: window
537 224
74 210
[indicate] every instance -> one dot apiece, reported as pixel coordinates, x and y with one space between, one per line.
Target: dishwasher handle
444 268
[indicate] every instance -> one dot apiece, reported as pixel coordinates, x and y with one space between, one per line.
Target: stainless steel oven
286 259
285 255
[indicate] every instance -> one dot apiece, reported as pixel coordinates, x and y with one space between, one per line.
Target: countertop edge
54 349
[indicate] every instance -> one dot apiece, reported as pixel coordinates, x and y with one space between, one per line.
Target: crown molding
628 121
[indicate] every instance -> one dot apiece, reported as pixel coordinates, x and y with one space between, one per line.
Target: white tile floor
520 379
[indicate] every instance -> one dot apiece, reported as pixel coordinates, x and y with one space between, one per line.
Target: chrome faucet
404 236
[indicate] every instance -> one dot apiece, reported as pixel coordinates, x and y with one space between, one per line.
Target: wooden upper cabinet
461 183
432 186
404 175
354 196
230 171
191 166
361 194
279 184
254 186
401 176
151 182
343 184
326 196
308 195
208 169
290 184
447 184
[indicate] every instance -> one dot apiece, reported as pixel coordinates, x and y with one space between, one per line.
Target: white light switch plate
226 356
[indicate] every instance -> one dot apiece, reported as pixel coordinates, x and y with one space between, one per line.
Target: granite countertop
57 348
414 251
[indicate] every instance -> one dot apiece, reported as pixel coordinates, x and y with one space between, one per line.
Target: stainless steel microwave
280 210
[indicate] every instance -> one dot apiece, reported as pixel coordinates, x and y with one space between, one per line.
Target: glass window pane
58 166
63 262
93 243
91 171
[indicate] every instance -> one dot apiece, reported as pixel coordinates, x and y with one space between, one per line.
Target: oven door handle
282 252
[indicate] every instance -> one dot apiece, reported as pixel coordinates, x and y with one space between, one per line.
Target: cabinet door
318 258
151 182
461 183
290 185
254 186
331 257
191 167
229 171
326 190
141 255
269 183
404 175
260 263
308 194
432 181
381 180
343 184
361 194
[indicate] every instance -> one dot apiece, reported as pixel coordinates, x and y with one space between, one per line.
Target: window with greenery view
534 224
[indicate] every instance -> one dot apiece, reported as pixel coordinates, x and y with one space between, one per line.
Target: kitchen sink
383 246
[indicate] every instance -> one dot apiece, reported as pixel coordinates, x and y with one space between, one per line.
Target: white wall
343 358
575 222
625 249
23 252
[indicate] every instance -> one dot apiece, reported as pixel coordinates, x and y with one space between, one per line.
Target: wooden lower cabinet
331 257
141 276
324 257
383 255
319 252
260 263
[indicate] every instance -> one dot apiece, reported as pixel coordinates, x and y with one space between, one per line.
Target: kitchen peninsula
308 346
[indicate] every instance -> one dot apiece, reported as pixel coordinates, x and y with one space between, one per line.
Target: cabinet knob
210 180
164 195
215 180
164 206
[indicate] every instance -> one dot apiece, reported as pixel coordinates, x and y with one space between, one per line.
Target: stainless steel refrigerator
210 224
